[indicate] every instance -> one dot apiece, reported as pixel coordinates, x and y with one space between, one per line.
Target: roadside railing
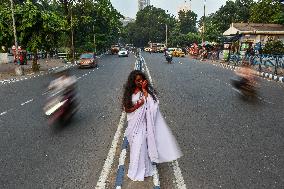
261 62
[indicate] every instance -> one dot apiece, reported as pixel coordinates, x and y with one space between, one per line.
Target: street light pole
15 34
203 28
72 38
166 35
94 39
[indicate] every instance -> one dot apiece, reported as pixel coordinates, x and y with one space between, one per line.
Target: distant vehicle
88 60
114 49
153 47
161 47
147 49
129 46
178 52
123 52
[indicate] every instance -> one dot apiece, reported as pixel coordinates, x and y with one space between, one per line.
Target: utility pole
94 38
72 38
203 28
15 34
166 35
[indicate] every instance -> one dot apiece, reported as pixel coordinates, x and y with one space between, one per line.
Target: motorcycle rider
64 85
63 81
247 78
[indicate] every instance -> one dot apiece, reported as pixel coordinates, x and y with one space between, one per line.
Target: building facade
256 33
142 4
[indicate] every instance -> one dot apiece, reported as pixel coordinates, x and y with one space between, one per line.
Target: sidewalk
7 71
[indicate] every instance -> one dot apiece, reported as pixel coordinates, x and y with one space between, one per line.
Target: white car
122 52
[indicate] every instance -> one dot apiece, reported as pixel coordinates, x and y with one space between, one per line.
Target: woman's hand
144 88
144 85
139 103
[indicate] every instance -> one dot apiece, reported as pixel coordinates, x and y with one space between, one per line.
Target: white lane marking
150 78
179 181
3 113
79 77
27 102
178 176
101 184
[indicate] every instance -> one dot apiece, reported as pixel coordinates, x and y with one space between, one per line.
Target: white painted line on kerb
101 184
156 180
179 181
122 157
27 102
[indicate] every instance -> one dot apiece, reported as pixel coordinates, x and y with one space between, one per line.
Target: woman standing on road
149 137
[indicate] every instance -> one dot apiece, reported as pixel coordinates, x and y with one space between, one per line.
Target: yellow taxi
178 52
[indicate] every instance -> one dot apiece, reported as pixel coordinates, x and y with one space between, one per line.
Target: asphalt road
34 155
227 142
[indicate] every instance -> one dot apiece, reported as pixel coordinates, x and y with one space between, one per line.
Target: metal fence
274 63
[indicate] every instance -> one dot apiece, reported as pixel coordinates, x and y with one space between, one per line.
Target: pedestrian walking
149 137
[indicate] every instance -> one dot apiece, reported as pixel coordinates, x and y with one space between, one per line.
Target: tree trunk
35 66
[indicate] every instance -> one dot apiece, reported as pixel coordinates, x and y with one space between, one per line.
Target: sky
129 8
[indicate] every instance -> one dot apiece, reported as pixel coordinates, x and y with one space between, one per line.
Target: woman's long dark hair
130 87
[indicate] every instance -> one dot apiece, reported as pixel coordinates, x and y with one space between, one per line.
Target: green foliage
150 25
187 21
274 47
217 23
267 11
46 24
6 23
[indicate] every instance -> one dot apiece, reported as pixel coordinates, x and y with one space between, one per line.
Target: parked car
178 52
123 52
88 60
147 49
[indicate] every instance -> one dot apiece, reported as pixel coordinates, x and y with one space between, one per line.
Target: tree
217 23
274 47
39 29
267 11
6 25
150 25
187 21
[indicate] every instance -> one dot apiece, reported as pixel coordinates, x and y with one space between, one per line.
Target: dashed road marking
27 102
3 113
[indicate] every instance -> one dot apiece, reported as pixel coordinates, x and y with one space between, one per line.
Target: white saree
150 139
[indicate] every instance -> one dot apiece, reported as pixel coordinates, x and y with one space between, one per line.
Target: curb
260 74
41 73
121 165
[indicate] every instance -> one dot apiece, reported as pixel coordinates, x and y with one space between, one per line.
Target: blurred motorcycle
244 87
62 101
60 106
169 58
